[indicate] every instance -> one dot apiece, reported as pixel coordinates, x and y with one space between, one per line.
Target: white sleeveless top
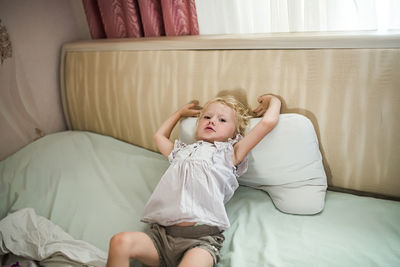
197 184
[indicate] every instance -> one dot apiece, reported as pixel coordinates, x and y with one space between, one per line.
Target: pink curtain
141 18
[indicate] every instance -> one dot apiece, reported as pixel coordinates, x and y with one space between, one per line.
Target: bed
92 181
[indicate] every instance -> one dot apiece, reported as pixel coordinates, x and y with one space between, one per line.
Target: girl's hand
264 101
191 109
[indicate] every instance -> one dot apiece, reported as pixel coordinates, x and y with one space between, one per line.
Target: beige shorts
172 242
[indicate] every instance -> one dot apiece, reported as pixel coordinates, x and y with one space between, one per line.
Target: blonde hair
242 117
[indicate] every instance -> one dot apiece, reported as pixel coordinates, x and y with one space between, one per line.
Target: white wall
29 81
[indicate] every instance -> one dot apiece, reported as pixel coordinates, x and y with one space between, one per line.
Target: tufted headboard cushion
126 88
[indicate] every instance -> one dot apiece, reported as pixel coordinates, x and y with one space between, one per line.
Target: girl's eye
207 117
222 120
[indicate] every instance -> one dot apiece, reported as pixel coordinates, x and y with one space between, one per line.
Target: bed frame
350 92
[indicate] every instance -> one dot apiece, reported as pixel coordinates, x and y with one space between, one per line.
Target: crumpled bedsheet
33 237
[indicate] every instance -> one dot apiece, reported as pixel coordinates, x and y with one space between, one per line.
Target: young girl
186 210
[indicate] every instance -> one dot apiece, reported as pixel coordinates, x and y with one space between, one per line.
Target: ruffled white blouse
196 186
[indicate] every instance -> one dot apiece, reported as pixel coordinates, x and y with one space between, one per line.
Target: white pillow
187 130
287 164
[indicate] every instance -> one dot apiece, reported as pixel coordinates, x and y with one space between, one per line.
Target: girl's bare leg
197 257
132 245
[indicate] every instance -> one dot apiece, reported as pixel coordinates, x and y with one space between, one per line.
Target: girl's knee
132 245
127 243
121 242
197 257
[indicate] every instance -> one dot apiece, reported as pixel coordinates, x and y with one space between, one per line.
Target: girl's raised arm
270 107
161 137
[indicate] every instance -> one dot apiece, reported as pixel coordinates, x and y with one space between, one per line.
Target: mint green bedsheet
95 186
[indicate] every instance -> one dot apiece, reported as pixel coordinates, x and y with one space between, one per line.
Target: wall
30 103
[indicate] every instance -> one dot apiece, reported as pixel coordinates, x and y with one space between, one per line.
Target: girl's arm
161 137
270 107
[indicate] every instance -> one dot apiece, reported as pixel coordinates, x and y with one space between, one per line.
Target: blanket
35 238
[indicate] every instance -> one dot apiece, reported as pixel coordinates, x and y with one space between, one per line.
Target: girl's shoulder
225 150
178 146
229 143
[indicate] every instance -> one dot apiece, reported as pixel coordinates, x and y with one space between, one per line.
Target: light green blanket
94 186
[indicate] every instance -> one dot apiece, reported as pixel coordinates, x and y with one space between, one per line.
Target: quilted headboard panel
126 88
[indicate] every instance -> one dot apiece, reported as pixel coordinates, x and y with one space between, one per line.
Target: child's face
217 123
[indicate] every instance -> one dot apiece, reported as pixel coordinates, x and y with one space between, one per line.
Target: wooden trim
305 40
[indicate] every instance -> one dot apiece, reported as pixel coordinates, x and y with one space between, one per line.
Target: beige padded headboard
126 88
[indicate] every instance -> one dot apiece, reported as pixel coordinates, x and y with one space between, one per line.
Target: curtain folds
141 18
